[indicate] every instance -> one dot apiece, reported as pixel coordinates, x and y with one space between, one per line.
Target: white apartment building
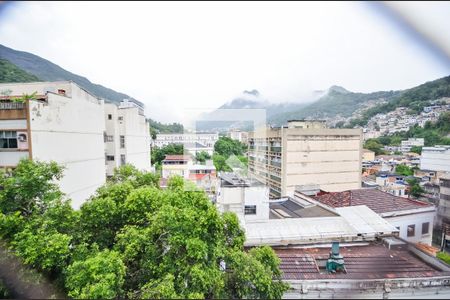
241 136
64 123
411 142
306 152
193 142
127 136
435 158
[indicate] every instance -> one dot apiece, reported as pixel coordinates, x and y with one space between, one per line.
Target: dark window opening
250 210
425 228
411 230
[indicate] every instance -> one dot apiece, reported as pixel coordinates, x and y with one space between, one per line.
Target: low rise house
291 220
413 218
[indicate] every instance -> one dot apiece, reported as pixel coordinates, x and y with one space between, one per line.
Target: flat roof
372 261
376 200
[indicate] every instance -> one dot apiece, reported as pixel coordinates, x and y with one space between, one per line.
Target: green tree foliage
415 189
202 156
226 146
375 146
30 188
100 276
416 149
11 73
220 163
132 239
403 170
157 127
158 154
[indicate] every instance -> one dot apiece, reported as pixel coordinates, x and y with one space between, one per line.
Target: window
250 210
109 138
120 118
110 157
8 139
122 159
425 228
122 141
109 117
411 230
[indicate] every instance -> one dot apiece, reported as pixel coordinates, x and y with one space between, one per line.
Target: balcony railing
275 149
12 105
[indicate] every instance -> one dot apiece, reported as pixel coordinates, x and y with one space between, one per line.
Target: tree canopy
132 239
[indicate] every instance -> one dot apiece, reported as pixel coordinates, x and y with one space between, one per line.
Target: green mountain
338 101
48 71
157 127
11 73
335 102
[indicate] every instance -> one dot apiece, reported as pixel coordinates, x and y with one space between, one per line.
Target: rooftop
376 200
289 208
177 157
369 261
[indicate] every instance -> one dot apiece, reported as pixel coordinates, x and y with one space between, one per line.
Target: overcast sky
173 56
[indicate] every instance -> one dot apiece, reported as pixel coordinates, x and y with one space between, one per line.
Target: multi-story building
127 136
411 142
241 136
444 200
306 152
62 123
194 142
436 158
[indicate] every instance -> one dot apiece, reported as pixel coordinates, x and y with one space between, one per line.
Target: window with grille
122 141
250 210
8 139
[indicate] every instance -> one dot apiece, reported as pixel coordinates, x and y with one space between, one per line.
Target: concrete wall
416 219
136 130
239 197
329 157
436 159
134 127
70 132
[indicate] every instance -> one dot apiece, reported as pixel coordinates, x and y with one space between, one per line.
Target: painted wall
136 130
416 219
69 130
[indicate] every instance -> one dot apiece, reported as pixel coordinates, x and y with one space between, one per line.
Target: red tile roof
376 200
361 262
177 157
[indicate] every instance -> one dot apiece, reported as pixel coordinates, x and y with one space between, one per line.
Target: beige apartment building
304 153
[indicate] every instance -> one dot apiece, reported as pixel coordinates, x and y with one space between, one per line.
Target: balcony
275 149
12 105
12 110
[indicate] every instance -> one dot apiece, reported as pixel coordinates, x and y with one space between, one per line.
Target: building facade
127 136
241 136
194 142
411 142
306 152
63 123
435 158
